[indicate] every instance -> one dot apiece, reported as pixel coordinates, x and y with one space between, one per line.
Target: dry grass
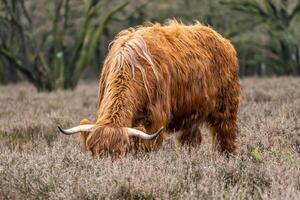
37 162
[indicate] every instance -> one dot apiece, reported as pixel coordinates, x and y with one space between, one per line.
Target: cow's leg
224 134
190 137
223 122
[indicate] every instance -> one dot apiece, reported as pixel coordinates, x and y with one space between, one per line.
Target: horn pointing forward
141 134
76 129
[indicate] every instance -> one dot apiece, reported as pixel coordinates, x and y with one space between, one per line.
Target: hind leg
223 121
190 137
224 133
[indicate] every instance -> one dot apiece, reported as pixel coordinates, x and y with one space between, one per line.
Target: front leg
190 137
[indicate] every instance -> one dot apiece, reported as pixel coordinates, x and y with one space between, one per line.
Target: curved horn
141 134
76 129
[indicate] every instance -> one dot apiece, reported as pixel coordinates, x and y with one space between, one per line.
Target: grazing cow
174 76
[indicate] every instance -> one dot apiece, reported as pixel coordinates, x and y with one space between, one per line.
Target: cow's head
101 140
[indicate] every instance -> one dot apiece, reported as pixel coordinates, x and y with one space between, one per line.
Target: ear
85 121
84 134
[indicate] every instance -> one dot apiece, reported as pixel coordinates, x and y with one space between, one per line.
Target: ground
36 161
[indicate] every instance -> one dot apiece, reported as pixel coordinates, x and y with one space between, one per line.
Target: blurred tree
279 44
2 73
52 42
52 55
132 15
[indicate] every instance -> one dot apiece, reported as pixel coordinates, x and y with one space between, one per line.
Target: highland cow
174 76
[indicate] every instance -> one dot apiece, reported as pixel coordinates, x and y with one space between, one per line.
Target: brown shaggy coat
175 76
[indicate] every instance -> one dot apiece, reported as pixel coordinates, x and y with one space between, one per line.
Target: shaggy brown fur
175 76
84 134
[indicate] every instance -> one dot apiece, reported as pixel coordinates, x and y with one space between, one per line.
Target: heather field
36 162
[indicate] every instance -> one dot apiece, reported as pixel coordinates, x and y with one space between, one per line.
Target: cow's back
196 62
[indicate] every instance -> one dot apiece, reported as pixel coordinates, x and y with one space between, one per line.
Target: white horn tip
158 132
141 134
62 130
76 129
